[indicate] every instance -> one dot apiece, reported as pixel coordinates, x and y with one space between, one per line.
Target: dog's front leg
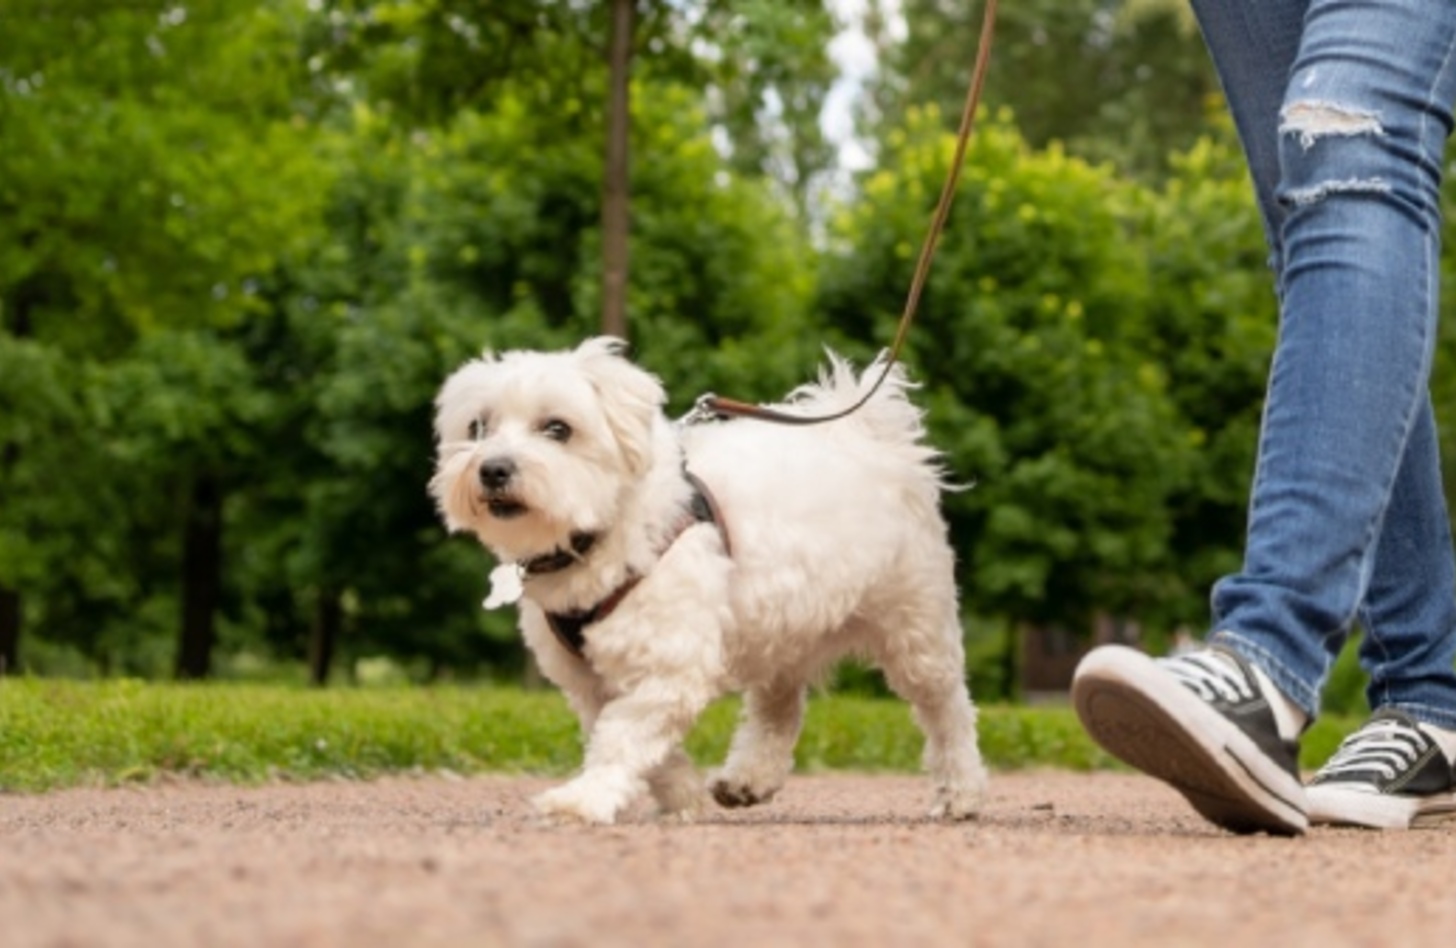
635 735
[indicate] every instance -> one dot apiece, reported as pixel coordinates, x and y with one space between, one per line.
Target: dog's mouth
504 508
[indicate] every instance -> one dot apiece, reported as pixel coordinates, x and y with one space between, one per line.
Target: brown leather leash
714 407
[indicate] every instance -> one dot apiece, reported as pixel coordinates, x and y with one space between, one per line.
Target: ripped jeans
1343 108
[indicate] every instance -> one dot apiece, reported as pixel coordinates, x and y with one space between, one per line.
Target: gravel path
1057 859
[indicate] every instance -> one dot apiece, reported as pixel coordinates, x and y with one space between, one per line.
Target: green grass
57 733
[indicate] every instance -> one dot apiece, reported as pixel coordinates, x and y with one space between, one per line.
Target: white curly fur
838 548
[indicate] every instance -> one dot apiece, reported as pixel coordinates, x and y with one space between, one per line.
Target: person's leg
1409 617
1343 113
1362 132
1409 613
1395 771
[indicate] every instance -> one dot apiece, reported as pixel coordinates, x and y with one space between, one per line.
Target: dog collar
570 627
558 559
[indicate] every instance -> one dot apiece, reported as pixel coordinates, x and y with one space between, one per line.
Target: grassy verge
61 733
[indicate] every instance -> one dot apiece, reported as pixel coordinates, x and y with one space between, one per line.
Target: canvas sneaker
1201 722
1390 774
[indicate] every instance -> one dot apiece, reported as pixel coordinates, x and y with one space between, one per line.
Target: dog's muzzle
496 475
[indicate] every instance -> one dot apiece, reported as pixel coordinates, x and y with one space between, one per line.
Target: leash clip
703 411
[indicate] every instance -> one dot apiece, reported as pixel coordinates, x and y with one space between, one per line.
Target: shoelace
1211 677
1388 747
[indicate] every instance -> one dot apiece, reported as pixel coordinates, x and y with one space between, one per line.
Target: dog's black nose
497 473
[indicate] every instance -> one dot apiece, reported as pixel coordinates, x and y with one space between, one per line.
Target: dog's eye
556 430
476 429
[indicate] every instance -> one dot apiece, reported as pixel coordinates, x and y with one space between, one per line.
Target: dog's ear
631 398
452 404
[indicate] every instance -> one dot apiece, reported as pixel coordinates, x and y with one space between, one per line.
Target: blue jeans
1343 108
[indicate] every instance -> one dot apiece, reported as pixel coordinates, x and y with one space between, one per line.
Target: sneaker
1390 774
1202 723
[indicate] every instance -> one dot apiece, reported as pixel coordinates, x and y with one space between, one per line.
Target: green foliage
427 62
1211 323
1033 339
138 187
1125 81
38 400
143 196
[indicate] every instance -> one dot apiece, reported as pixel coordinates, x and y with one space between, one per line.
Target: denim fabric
1343 108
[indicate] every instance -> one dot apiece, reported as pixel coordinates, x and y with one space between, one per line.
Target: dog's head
535 447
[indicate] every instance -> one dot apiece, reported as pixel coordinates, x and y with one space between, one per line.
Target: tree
140 192
1126 81
761 67
10 604
34 404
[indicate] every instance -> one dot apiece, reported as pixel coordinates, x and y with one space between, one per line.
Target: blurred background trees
241 244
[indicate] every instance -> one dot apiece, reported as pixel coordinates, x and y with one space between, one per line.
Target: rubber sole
1332 806
1142 716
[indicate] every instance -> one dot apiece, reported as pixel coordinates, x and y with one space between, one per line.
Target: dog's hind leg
762 753
924 663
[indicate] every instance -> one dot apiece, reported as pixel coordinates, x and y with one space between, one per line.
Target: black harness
570 627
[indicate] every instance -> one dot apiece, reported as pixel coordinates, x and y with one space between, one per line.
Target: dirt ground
1057 859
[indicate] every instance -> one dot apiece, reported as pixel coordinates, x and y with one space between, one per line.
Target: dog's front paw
733 793
574 803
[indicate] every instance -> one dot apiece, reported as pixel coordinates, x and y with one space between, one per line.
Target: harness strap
570 627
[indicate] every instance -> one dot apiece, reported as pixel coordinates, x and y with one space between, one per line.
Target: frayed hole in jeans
1302 196
1311 121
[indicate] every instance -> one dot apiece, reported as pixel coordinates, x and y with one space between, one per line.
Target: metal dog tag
505 586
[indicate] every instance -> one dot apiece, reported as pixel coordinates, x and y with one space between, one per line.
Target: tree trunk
1011 661
327 623
10 621
201 578
9 631
615 222
18 323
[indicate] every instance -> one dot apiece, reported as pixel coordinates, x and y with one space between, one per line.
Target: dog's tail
889 417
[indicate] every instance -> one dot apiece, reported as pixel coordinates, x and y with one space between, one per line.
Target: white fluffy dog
663 567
